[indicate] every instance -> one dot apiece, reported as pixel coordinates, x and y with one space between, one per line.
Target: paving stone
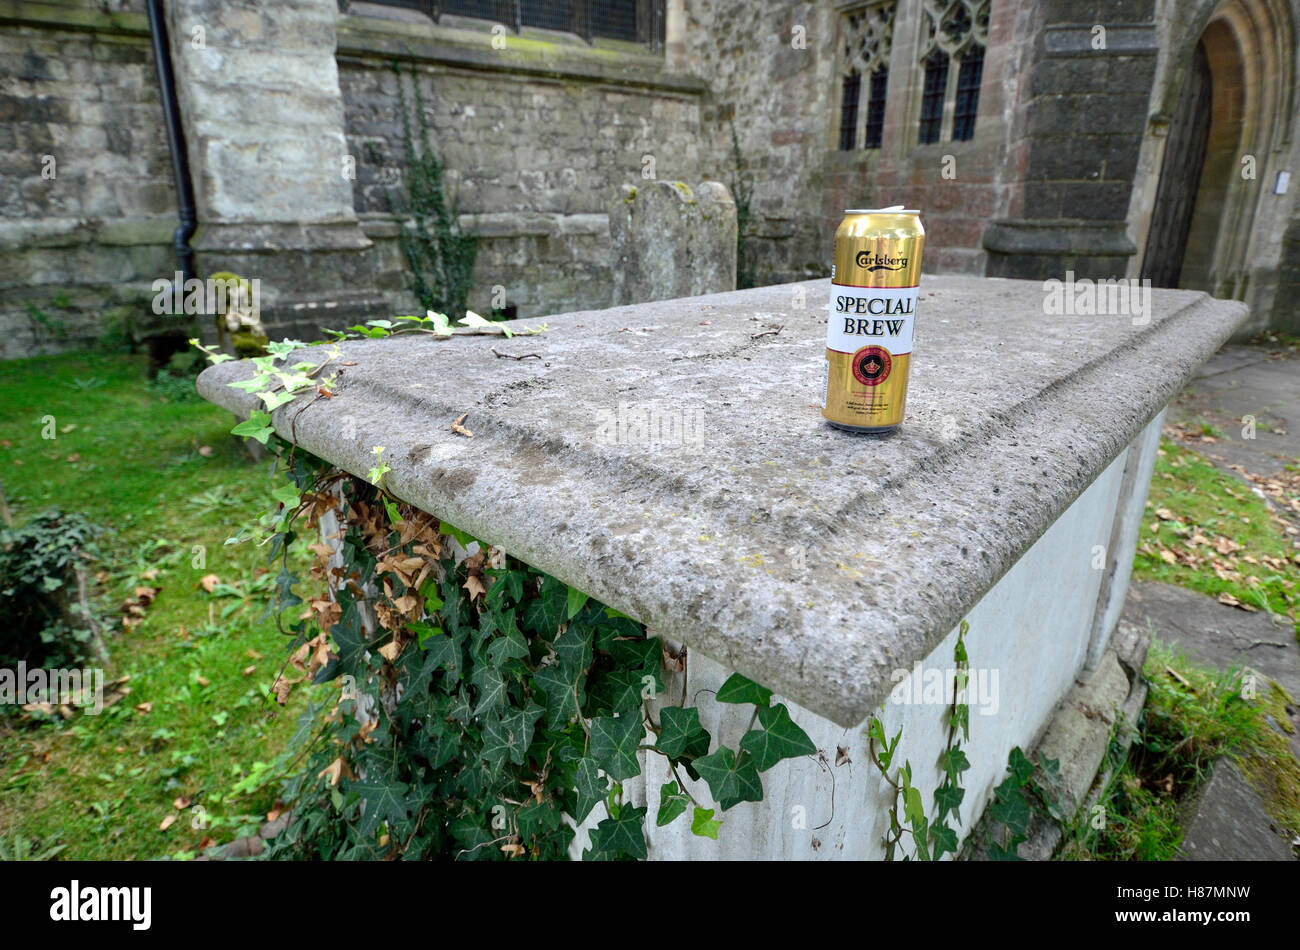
1227 822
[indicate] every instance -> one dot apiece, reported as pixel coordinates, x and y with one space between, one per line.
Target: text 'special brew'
874 284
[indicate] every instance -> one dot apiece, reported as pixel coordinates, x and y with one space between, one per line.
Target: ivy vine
932 837
485 709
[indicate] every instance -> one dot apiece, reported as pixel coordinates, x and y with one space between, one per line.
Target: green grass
1192 716
1206 531
1213 535
170 484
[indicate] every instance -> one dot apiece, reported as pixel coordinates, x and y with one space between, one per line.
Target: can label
871 319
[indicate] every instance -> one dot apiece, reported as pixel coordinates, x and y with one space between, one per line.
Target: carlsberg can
875 276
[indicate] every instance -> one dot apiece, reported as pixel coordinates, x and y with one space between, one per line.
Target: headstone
670 240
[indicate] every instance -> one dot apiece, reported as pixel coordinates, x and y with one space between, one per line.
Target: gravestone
670 240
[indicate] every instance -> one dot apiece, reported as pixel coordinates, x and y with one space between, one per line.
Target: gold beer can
875 278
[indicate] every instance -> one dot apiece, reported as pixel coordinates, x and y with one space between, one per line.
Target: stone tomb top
671 459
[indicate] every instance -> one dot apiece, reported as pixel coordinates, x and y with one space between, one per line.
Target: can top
892 209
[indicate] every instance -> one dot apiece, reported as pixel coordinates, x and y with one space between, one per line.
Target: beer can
875 278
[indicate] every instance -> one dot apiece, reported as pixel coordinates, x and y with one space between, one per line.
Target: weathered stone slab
670 459
671 240
1227 822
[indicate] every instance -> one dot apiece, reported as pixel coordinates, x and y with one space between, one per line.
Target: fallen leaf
205 451
144 708
209 582
167 823
281 690
335 771
1229 600
475 587
250 670
459 429
181 802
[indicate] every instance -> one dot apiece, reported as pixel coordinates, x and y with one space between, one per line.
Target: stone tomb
670 459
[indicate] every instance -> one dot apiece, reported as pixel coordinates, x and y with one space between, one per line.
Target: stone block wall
769 66
86 203
537 139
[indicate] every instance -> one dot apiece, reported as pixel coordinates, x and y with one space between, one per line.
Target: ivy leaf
274 401
256 426
441 652
574 602
537 818
519 726
953 761
731 779
349 636
672 802
259 381
1010 808
703 825
495 744
591 786
446 527
1020 766
491 688
511 646
913 810
614 742
287 495
779 738
637 654
947 799
1052 767
920 835
999 853
738 689
680 734
546 611
622 835
945 840
618 691
384 802
573 647
564 693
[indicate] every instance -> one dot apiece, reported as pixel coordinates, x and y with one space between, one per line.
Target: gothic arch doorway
1180 176
1230 106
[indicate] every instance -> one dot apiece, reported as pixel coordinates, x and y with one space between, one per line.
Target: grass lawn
192 739
1208 532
